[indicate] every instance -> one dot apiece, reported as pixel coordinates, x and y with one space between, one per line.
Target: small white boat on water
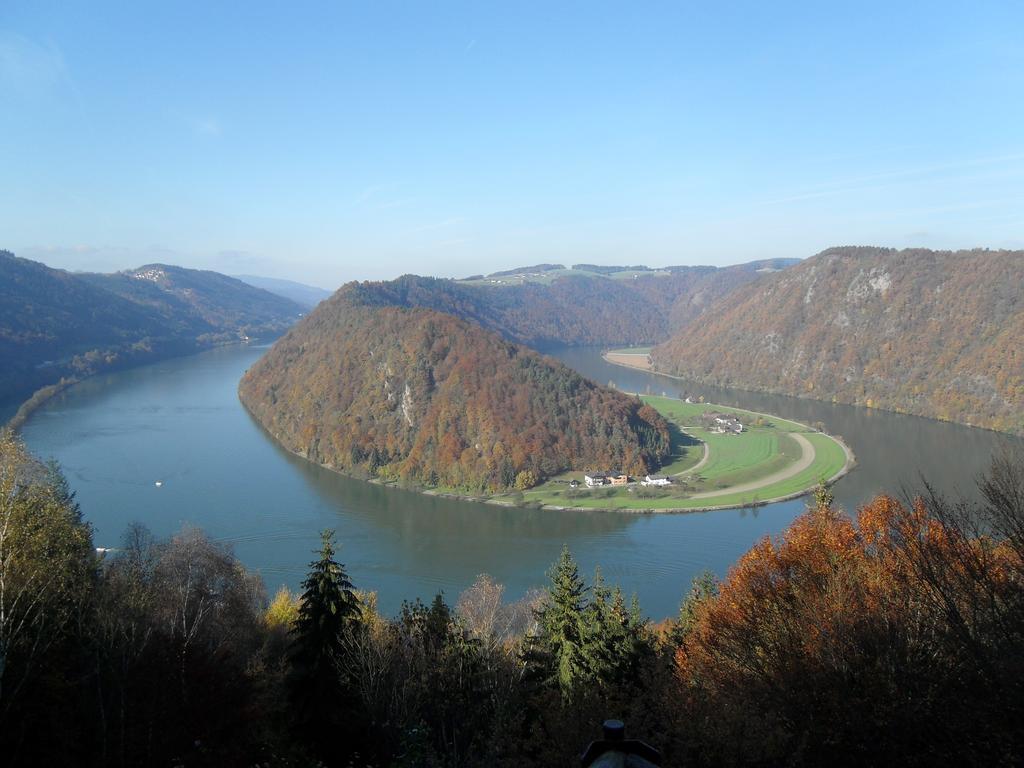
158 483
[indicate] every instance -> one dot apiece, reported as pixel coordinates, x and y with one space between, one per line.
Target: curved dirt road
805 460
699 464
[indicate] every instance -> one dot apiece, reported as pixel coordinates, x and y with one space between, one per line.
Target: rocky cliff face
933 333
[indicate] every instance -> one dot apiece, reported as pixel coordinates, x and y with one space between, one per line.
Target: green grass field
765 448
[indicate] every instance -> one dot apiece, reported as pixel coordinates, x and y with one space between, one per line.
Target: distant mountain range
368 384
56 324
933 333
306 295
575 306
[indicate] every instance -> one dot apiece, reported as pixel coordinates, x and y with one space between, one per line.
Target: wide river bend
179 422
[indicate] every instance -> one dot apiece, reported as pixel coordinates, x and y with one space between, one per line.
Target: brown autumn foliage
895 638
932 333
419 395
576 309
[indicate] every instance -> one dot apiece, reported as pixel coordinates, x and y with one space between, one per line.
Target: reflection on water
179 422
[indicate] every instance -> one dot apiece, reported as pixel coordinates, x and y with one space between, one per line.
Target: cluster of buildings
598 479
722 423
595 479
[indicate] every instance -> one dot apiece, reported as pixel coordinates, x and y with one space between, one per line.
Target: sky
326 142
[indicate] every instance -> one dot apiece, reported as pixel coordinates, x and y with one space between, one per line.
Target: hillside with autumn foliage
575 307
417 395
931 333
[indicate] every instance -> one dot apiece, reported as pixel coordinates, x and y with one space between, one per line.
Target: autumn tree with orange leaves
897 638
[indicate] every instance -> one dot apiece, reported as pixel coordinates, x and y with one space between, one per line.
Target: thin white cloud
374 191
455 241
28 68
207 126
878 181
452 222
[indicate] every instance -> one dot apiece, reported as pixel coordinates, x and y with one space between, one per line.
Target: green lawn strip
829 459
783 451
682 459
732 453
689 414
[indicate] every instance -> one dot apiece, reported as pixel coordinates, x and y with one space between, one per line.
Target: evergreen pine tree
615 641
703 587
599 644
557 650
319 695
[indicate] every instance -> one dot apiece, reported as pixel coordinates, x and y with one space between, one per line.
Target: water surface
179 422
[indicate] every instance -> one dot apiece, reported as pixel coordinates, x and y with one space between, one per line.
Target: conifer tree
557 650
703 587
615 640
328 614
599 643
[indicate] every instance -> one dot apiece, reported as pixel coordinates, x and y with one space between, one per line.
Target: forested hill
933 333
368 387
575 308
56 324
200 297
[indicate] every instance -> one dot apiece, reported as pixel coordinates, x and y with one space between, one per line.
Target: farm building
656 480
722 423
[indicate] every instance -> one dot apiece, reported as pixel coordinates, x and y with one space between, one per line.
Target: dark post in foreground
616 750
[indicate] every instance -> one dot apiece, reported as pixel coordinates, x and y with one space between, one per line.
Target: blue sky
353 140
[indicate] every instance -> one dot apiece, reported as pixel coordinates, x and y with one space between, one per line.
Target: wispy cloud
30 69
884 180
444 224
207 126
470 45
375 192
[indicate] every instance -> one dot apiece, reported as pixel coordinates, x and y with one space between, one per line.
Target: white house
656 480
595 478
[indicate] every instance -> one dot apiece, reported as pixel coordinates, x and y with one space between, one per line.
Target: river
179 422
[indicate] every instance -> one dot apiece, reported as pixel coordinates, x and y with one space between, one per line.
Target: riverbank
38 399
823 458
46 393
642 362
639 360
179 421
772 460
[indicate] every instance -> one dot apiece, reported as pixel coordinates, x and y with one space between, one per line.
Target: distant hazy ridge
56 324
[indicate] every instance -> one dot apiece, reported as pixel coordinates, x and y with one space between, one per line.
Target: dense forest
425 397
575 309
932 333
893 636
55 324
